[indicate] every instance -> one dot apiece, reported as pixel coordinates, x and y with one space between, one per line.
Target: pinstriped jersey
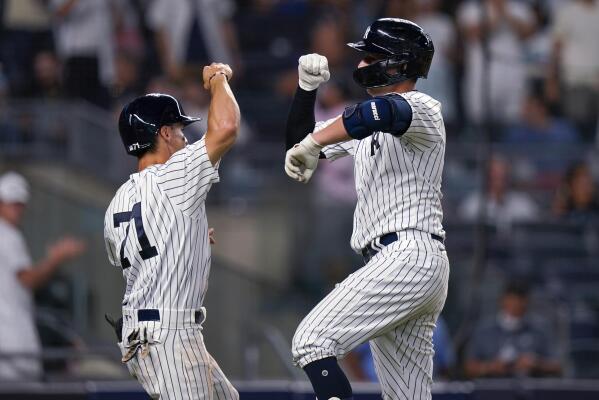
156 230
398 178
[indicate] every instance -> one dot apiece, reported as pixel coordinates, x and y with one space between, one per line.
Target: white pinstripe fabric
398 179
172 197
179 367
170 200
395 299
394 302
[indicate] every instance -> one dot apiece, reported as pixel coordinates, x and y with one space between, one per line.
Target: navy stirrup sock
328 380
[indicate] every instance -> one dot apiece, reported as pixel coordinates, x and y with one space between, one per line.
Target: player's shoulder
121 197
418 99
424 107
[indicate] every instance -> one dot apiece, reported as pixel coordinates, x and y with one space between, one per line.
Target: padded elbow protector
390 113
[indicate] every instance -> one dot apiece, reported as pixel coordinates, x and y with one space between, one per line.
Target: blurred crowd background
519 84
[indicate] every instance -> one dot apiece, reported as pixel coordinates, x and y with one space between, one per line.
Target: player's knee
296 349
298 340
306 350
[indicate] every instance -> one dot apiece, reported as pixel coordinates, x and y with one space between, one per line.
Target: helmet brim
368 48
185 120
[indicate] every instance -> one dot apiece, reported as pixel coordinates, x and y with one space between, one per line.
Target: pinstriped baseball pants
179 367
393 302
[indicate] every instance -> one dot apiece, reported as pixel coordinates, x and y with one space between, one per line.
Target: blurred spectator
576 56
444 358
127 84
538 47
269 53
505 206
3 87
18 278
440 81
9 133
25 30
552 139
578 197
129 27
162 84
47 77
85 43
538 126
283 19
505 24
441 76
193 32
328 39
512 343
360 365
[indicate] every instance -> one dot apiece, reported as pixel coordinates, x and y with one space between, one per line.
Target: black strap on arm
300 120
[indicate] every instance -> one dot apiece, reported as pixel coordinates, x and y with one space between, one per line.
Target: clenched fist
313 69
302 159
214 69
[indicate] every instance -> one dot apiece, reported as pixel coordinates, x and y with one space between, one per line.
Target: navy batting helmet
406 50
141 119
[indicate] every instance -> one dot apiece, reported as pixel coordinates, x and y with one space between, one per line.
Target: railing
507 389
254 187
86 136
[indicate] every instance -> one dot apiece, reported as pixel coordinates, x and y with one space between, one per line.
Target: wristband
217 73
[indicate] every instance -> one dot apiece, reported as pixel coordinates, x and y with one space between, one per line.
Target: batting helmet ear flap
142 134
141 119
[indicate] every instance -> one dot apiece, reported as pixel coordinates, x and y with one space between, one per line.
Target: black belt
368 252
153 314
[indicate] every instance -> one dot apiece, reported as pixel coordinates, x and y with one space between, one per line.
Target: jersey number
147 250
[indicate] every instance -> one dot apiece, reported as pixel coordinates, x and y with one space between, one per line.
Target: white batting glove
313 70
301 160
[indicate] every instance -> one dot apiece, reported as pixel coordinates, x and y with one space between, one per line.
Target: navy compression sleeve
300 121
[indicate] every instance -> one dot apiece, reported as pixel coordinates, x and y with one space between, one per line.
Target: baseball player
397 140
156 231
20 346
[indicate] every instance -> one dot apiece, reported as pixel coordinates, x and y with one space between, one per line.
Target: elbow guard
390 113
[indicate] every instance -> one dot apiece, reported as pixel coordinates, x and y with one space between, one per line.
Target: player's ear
165 132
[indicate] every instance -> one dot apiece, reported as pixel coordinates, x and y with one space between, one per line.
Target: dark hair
519 288
151 148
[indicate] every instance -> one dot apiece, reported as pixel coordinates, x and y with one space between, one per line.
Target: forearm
39 274
477 368
223 117
474 369
548 367
334 133
301 120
